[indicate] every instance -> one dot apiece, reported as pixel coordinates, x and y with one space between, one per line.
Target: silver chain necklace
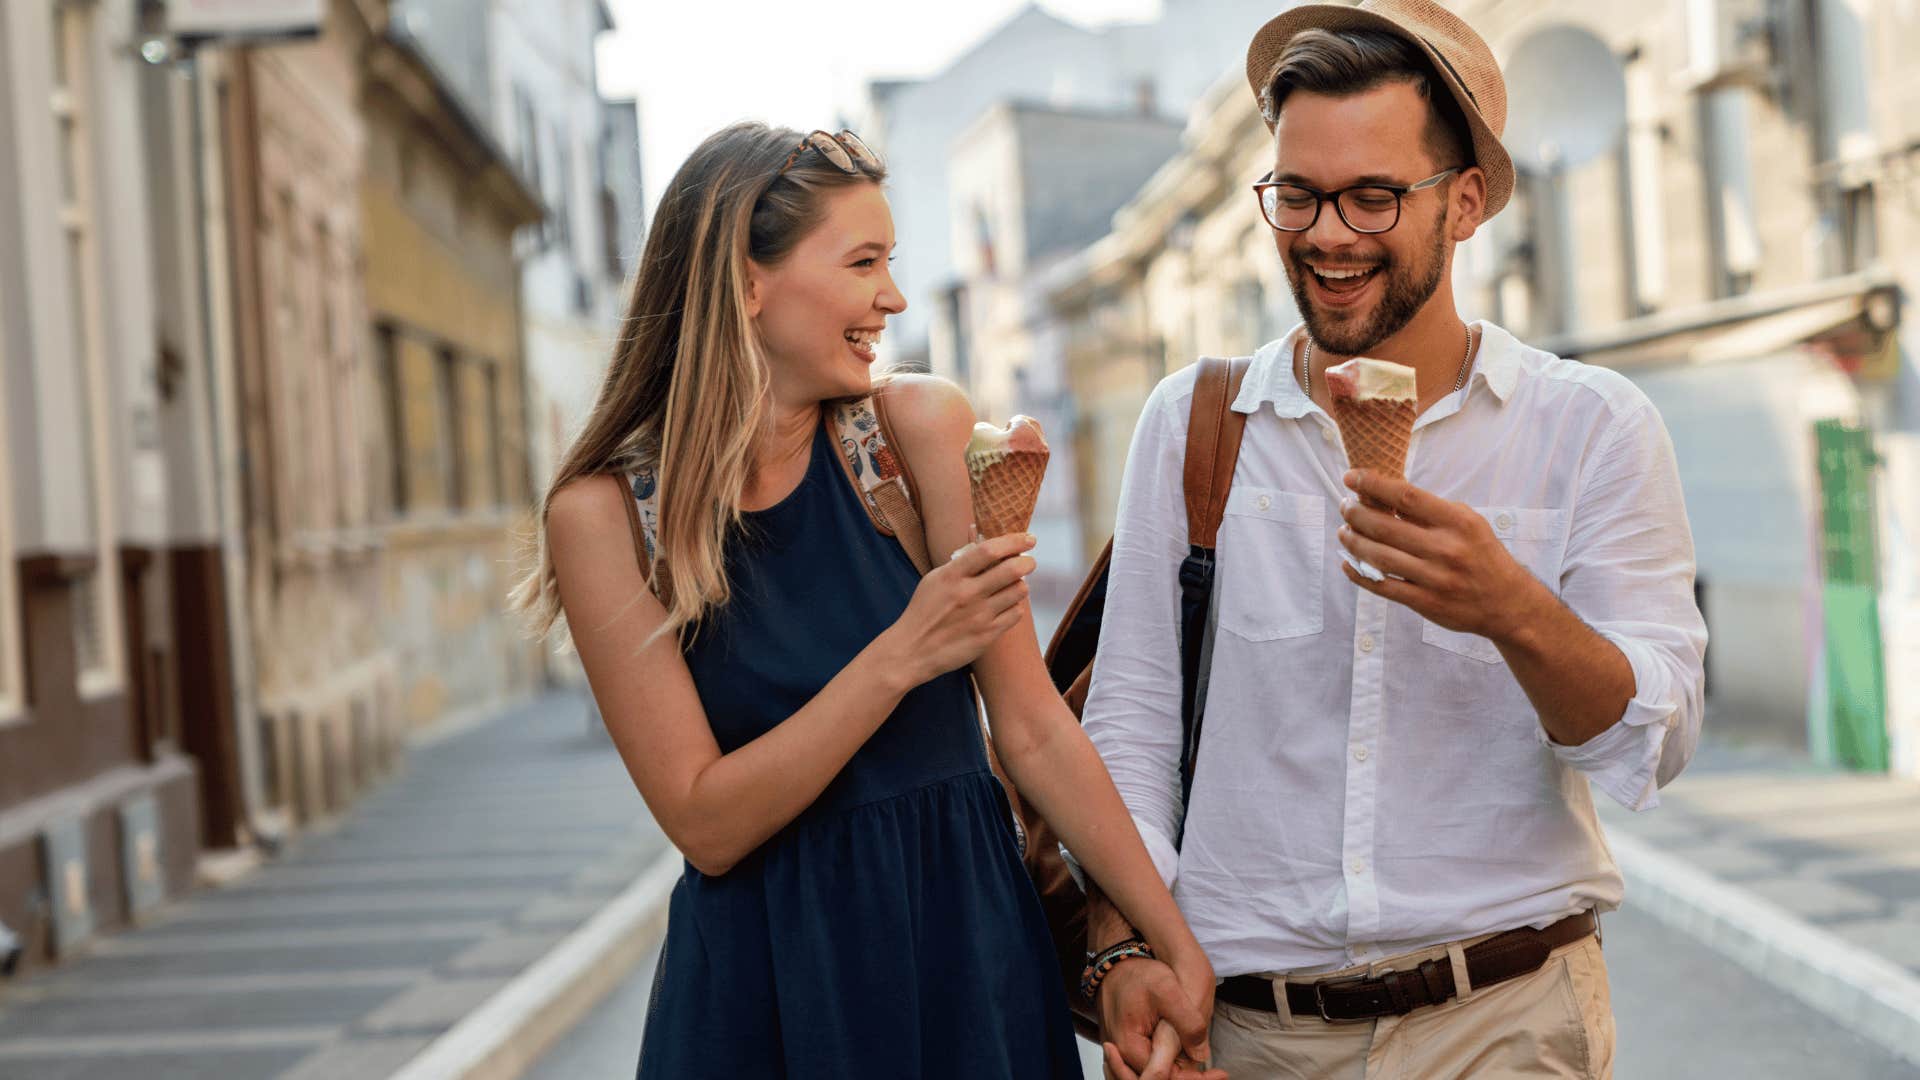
1306 365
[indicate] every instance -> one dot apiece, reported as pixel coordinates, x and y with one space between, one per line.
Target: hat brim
1271 41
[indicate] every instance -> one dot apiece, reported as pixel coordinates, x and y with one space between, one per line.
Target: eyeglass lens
831 150
1364 209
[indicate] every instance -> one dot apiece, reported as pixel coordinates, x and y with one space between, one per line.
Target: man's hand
1449 567
1441 559
1146 1017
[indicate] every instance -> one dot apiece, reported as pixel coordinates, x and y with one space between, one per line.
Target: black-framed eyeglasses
844 151
1366 208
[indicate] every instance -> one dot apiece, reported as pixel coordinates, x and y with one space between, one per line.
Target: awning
1851 320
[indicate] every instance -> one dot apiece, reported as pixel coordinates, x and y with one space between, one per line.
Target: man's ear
756 288
1469 199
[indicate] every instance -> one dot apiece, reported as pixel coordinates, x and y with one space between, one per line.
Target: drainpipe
207 69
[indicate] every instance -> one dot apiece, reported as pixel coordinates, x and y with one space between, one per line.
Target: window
563 180
453 428
527 150
95 594
497 473
1859 242
1645 225
393 415
1727 164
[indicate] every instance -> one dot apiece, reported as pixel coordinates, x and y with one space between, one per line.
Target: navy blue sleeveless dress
890 930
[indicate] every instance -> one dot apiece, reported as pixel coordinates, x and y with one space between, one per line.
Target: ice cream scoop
1005 466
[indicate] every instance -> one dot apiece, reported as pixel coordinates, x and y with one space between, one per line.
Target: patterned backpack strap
879 475
643 513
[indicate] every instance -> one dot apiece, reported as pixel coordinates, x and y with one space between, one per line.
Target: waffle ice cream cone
1374 403
1005 466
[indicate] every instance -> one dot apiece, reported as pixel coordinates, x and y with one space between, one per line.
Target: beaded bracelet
1108 958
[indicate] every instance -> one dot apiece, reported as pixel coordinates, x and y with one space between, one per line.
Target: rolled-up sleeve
1132 713
1629 573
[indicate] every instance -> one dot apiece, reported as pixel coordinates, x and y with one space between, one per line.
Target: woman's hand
962 607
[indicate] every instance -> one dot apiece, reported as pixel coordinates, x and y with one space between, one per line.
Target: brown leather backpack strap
1213 445
901 502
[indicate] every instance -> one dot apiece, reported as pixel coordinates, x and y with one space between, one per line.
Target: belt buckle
1320 999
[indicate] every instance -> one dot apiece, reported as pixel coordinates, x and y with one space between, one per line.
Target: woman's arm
717 808
1039 741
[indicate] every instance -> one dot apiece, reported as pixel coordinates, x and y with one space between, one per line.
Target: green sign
1850 586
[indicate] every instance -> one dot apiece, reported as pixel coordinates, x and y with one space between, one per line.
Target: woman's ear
756 288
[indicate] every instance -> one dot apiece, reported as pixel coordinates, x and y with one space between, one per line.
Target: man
1390 853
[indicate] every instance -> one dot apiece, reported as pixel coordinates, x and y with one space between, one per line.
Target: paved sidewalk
356 949
1807 876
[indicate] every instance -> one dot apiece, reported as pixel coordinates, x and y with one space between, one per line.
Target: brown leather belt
1396 993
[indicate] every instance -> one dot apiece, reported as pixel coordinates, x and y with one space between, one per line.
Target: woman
854 904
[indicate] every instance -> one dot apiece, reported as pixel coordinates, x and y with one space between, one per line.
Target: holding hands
1154 1017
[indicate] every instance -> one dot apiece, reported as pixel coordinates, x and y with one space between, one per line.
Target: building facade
1737 237
294 146
1188 269
115 682
1030 185
441 203
1740 243
1158 68
527 71
262 398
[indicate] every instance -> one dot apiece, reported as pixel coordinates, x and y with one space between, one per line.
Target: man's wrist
1520 626
1102 963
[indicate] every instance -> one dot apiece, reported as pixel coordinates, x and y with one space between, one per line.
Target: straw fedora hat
1461 58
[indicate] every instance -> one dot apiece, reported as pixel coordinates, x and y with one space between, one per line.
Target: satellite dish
1569 100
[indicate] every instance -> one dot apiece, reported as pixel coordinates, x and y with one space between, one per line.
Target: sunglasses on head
844 151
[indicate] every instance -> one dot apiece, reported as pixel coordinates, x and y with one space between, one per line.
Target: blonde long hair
687 386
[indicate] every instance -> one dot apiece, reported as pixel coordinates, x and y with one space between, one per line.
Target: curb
511 1029
1857 989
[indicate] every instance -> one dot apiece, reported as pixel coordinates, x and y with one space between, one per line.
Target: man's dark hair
1342 62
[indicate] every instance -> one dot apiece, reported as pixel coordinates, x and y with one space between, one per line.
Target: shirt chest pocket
1272 572
1538 539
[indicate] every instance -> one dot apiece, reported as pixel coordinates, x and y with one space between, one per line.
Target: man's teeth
866 339
1341 275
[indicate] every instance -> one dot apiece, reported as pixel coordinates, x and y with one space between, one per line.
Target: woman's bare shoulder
586 510
928 409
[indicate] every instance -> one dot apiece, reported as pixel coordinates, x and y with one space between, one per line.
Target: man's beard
1407 288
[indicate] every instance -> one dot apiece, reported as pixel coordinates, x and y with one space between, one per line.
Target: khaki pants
1557 1022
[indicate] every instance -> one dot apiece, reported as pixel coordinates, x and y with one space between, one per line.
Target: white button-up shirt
1369 783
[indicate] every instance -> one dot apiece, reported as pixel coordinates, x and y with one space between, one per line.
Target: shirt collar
1271 377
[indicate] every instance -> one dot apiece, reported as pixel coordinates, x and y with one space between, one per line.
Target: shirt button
1359 866
1366 642
1359 753
1263 502
1504 522
1326 435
